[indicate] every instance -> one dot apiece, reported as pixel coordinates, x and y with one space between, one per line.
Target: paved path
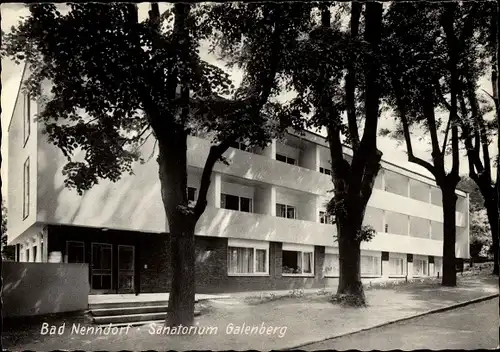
471 327
294 321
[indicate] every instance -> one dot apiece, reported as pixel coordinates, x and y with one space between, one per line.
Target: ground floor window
396 266
245 258
331 266
297 261
75 252
438 266
420 267
370 265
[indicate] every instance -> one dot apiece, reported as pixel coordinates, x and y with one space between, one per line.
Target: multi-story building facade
264 226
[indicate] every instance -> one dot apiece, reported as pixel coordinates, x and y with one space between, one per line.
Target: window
396 223
247 260
297 262
438 266
324 218
331 265
286 159
34 253
420 267
27 254
436 196
419 227
236 203
378 180
26 188
370 265
396 183
240 146
325 171
191 194
396 266
375 218
285 211
27 117
436 230
75 251
419 191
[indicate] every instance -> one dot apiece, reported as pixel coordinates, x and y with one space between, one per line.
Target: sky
11 79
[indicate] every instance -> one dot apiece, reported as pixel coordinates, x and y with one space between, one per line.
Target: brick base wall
153 262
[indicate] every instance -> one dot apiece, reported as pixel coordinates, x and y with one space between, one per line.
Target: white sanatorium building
264 227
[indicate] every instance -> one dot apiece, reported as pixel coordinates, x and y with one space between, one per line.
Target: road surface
475 326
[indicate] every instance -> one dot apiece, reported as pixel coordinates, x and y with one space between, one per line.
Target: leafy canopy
115 80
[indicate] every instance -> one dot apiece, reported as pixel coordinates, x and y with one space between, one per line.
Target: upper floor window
420 191
324 218
325 171
236 203
396 183
26 188
285 211
27 117
240 146
286 159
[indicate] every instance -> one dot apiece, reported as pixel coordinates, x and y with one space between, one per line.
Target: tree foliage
115 81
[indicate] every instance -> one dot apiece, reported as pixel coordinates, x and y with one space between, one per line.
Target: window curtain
241 260
261 260
332 263
307 265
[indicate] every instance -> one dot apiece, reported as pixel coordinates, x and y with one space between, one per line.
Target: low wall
44 288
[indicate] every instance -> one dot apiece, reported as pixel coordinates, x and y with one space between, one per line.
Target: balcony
260 168
217 222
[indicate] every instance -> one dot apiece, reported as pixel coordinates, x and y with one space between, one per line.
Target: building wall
43 288
132 203
19 151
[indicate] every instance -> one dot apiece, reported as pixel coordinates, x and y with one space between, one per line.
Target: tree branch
401 106
214 155
350 80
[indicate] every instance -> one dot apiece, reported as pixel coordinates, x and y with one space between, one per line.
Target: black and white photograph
274 175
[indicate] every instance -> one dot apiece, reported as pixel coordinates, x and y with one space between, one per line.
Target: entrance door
126 266
101 266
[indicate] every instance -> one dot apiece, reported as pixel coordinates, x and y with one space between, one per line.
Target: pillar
385 264
409 266
214 192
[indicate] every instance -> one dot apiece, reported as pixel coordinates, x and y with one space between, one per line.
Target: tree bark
172 160
182 263
449 210
493 218
350 258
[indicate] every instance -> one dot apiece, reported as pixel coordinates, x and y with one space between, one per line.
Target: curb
432 311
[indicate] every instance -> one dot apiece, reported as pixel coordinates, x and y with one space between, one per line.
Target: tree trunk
172 162
349 220
182 254
349 261
492 211
449 212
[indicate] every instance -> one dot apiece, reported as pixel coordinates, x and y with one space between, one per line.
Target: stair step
136 319
129 310
126 304
133 323
127 318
